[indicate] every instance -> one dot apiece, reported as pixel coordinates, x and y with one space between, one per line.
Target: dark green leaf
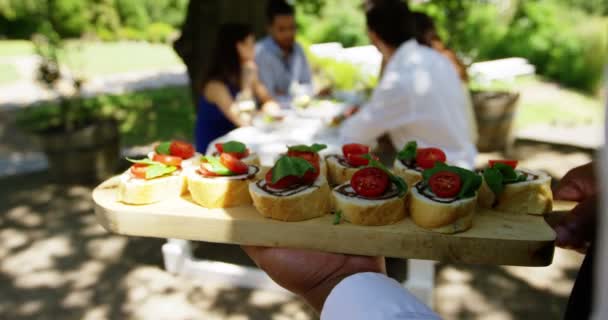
216 166
398 181
159 170
494 180
337 217
408 152
163 148
470 180
506 171
234 146
290 166
304 148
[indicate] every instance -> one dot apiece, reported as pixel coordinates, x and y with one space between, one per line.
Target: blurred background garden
116 59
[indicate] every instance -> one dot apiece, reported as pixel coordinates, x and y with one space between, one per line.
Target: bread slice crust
442 217
531 197
309 203
369 212
221 192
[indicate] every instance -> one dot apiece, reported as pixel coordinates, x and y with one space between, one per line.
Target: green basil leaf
508 173
144 161
469 179
159 170
494 179
408 152
163 148
398 181
216 166
304 148
234 146
337 217
290 166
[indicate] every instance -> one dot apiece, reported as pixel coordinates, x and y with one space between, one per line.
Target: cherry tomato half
168 160
312 157
206 172
238 155
370 182
234 164
510 163
445 184
426 157
138 170
356 160
181 149
354 148
311 175
283 183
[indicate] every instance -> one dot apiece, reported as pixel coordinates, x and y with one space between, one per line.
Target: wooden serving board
495 238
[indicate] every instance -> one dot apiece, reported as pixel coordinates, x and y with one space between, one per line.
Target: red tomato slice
510 163
234 164
206 172
181 149
356 160
283 183
168 160
238 155
370 182
138 170
312 157
354 148
445 184
311 175
426 157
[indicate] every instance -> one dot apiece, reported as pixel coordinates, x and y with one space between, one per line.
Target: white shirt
370 296
280 74
420 98
600 307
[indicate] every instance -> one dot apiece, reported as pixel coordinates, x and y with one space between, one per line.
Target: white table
269 141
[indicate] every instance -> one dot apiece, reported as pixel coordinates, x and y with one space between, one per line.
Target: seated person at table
280 59
232 72
419 96
428 36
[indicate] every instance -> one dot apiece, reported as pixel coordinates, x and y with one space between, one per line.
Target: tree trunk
199 30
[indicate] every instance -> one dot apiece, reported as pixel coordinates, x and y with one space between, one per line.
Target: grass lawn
102 58
8 73
146 116
9 48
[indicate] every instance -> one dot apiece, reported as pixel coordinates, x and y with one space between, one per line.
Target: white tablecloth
306 126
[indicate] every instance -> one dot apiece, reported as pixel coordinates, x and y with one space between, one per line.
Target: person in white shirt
419 96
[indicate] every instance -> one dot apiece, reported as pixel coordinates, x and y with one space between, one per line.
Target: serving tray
495 238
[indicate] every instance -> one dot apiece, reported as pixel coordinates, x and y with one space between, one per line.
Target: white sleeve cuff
369 296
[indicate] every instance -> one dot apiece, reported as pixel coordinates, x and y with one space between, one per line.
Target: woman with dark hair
232 73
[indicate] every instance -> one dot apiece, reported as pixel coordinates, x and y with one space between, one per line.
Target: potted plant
81 144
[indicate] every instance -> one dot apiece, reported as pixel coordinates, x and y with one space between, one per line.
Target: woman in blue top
232 72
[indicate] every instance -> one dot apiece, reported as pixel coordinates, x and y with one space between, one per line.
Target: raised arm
217 93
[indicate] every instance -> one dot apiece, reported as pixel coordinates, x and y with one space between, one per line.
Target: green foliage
335 21
69 17
159 32
566 43
108 19
145 116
